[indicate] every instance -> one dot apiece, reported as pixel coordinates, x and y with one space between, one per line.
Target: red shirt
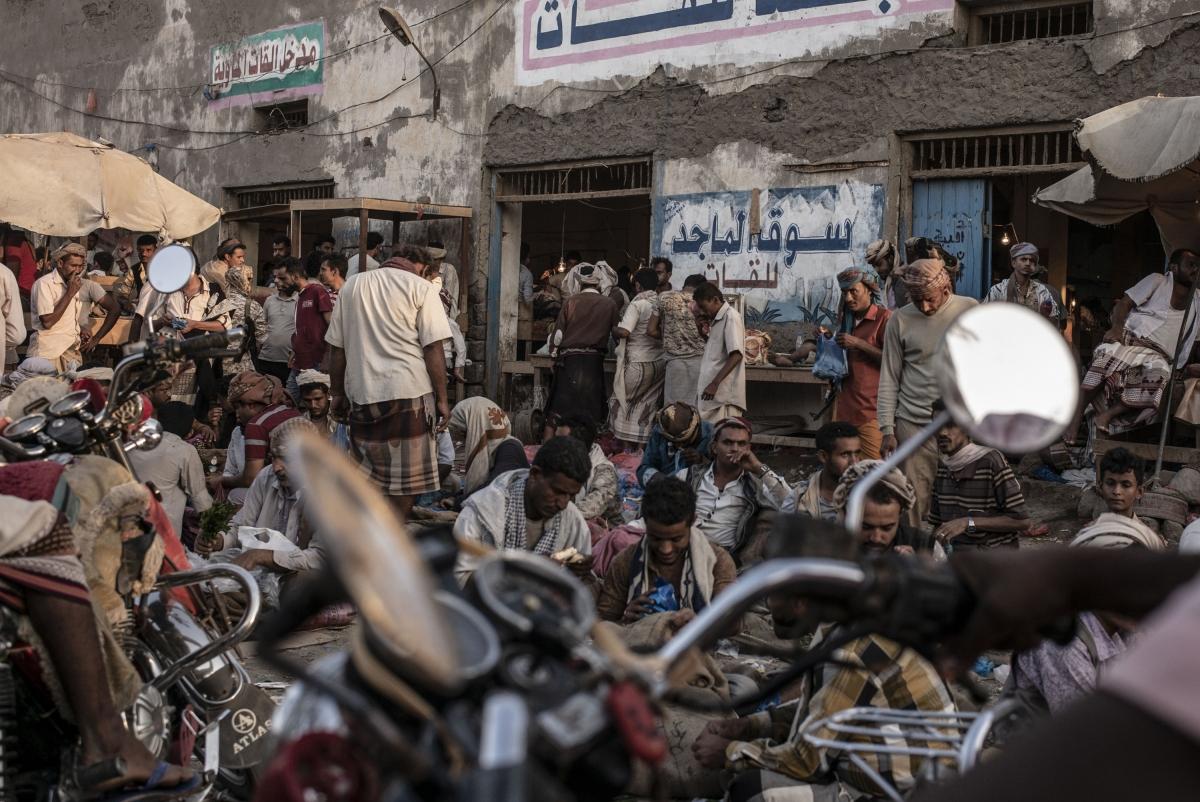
860 390
258 431
308 342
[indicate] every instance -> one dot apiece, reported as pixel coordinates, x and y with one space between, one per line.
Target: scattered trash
1002 673
983 668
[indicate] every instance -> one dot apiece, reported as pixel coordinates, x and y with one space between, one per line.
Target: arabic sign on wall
787 270
287 62
580 40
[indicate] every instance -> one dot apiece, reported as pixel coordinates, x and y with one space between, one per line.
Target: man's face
283 280
668 543
146 253
279 468
160 393
550 492
326 247
279 250
327 275
931 304
237 258
70 266
846 452
787 616
1187 269
316 402
1121 491
246 410
880 523
857 298
950 439
731 446
664 275
1025 265
709 306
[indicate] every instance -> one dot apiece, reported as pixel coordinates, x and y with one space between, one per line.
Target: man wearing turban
864 321
1022 288
908 383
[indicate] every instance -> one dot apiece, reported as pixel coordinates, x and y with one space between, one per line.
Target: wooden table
117 335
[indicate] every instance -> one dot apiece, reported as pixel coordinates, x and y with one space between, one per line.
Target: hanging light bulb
1004 239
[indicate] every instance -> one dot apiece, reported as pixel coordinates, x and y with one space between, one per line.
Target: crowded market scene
738 471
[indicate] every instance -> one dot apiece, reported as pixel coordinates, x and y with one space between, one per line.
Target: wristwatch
971 530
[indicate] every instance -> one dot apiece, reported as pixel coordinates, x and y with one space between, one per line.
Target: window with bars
281 116
1016 151
1045 22
608 179
248 197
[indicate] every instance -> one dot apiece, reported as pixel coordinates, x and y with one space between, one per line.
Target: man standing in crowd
580 340
731 490
388 374
908 383
322 248
861 335
722 368
447 275
1132 366
333 275
356 261
977 501
683 344
279 308
129 288
1022 288
839 447
532 510
672 552
679 439
637 385
12 318
313 312
281 247
882 255
56 307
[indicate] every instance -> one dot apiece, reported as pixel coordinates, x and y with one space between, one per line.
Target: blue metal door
955 212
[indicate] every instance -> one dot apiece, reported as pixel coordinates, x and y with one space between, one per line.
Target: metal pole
854 504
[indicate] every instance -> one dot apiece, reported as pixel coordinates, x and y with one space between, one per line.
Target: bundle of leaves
215 520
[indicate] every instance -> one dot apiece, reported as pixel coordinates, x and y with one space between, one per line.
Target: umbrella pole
1166 424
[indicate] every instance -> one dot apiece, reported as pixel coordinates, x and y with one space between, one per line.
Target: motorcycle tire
8 736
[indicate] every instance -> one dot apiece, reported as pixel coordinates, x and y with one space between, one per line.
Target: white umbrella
63 185
1143 155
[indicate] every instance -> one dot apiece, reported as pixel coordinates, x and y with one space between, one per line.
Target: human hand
87 343
215 416
254 558
213 482
638 609
905 550
679 619
888 445
781 361
206 545
74 285
750 462
458 375
1114 335
850 342
950 530
691 456
443 414
580 565
188 327
709 749
709 392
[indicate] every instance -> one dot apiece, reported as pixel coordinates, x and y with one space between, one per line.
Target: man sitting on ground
672 553
531 510
599 498
679 438
260 405
731 490
884 528
838 448
1132 366
273 502
977 501
768 757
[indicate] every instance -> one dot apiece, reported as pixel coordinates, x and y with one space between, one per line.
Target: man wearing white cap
1022 288
314 400
446 272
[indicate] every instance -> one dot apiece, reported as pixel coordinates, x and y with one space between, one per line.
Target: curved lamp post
399 29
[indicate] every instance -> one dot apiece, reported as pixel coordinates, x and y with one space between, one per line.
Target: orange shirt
860 390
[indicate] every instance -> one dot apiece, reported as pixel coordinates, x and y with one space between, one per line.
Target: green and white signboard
280 64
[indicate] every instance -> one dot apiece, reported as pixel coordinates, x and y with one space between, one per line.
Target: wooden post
364 220
295 234
465 278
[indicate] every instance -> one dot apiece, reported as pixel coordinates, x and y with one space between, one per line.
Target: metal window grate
995 152
1051 22
610 179
248 197
281 116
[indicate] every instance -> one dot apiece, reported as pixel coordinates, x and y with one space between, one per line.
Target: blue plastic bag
831 359
663 598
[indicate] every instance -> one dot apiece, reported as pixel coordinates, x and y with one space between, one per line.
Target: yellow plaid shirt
885 675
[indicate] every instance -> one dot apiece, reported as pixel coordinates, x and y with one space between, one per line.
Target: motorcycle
197 700
511 691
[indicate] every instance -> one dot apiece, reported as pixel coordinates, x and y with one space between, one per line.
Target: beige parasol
1143 155
63 185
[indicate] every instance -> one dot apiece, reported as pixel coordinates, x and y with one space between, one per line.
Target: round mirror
27 426
171 268
149 434
1008 377
377 561
70 404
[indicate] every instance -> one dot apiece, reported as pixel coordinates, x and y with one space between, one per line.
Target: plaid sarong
394 444
1130 374
632 420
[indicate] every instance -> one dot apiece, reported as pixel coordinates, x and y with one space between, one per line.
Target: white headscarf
1113 531
483 426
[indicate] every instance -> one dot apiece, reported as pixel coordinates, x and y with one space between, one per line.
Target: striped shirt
868 672
258 431
985 488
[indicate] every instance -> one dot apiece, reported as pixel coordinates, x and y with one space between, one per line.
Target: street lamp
399 29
